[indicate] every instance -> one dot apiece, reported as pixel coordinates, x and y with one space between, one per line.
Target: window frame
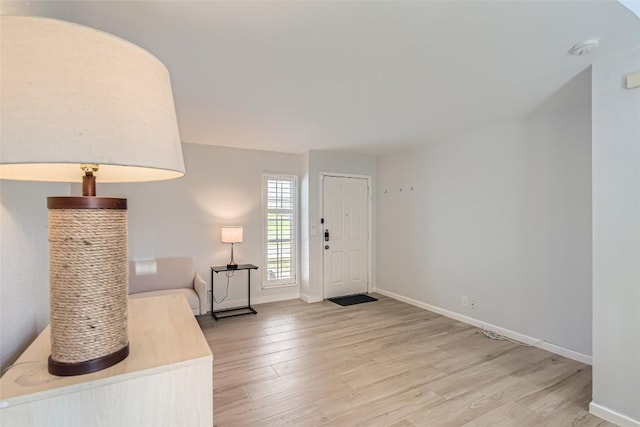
293 281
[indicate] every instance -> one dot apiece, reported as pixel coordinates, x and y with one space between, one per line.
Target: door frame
369 225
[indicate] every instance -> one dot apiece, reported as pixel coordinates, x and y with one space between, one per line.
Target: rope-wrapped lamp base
88 283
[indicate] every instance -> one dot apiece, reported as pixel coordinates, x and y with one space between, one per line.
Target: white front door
345 236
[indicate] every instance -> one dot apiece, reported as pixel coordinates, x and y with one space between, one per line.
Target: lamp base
80 368
87 283
232 266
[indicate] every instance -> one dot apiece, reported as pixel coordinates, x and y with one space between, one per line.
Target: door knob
326 246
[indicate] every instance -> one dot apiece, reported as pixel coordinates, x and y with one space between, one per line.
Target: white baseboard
307 298
612 416
257 300
565 352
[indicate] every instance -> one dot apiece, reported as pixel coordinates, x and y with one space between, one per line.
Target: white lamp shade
231 234
72 95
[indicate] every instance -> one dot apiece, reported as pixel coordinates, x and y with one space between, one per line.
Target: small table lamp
76 101
231 235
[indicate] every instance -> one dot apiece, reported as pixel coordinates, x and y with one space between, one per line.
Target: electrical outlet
463 301
473 304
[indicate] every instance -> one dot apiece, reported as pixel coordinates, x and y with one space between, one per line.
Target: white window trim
266 283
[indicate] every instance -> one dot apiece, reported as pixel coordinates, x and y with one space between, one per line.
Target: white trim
526 339
283 283
279 286
612 416
306 298
257 300
369 179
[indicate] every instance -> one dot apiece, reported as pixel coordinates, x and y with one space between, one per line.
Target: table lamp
79 103
231 235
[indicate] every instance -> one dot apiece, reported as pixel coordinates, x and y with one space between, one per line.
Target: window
280 230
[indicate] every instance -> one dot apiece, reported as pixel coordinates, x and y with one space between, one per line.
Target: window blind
280 242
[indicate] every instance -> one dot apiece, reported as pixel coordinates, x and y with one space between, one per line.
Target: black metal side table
237 311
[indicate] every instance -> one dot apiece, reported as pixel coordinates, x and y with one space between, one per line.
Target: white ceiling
359 76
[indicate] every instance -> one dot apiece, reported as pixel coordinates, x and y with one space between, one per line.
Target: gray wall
182 217
501 215
616 237
24 264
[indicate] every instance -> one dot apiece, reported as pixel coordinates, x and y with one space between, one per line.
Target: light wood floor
384 363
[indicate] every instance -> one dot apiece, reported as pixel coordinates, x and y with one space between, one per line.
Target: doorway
345 232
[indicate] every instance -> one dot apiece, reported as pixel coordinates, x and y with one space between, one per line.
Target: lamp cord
498 337
226 294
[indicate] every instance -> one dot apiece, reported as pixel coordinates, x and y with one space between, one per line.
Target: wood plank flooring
384 363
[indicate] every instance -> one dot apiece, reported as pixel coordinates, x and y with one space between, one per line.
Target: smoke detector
584 47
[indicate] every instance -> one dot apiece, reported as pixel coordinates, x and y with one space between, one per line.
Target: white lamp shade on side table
231 234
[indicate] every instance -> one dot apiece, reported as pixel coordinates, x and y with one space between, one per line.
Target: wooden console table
167 380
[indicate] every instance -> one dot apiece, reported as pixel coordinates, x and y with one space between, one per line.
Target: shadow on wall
24 289
570 96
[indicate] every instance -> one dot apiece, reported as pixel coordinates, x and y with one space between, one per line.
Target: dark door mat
352 299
